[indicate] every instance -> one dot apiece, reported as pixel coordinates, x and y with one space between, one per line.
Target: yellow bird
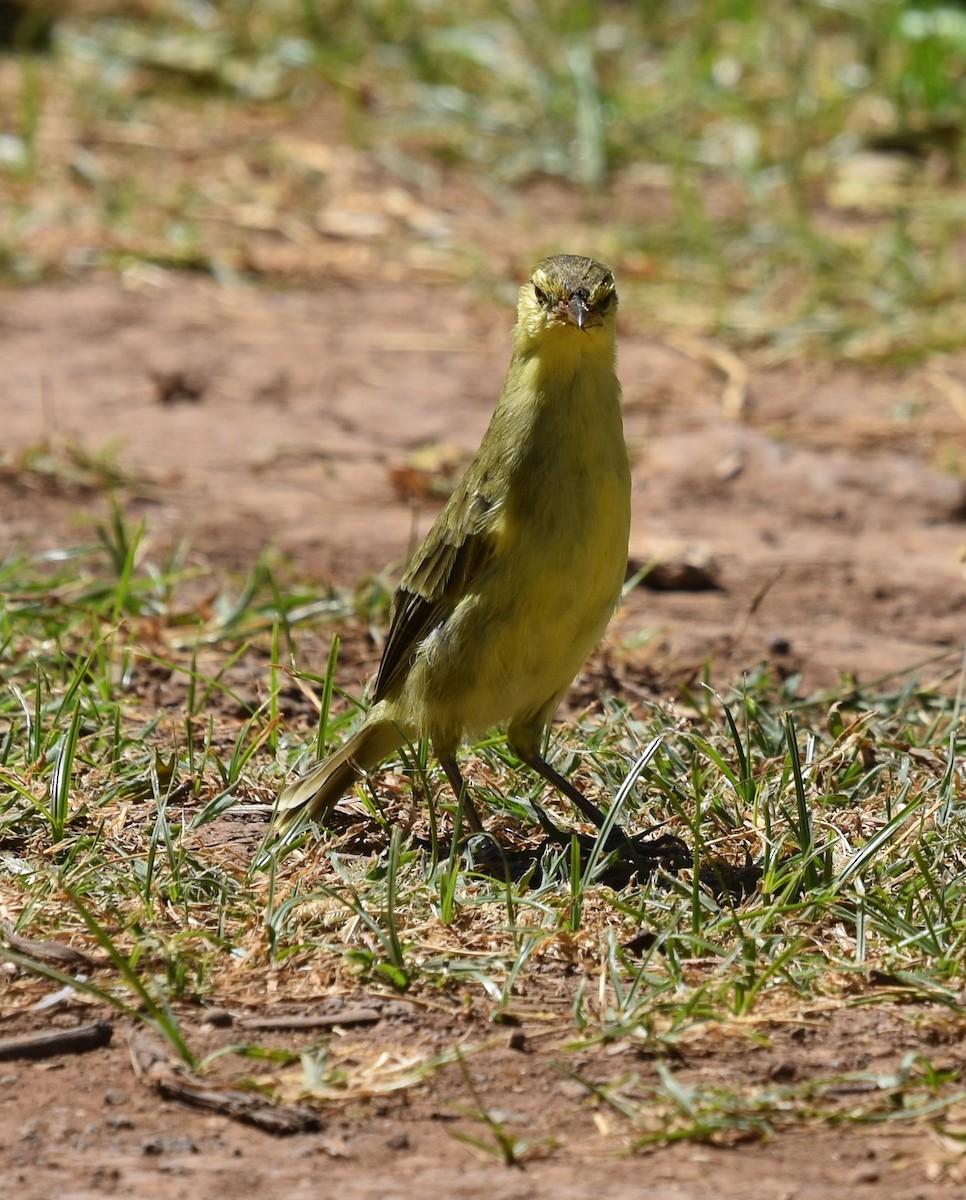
521 571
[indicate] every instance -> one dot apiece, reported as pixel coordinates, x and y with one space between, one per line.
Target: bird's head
567 295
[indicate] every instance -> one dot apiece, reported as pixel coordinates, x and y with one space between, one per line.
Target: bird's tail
312 796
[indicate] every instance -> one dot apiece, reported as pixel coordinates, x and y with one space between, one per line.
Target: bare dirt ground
829 501
251 417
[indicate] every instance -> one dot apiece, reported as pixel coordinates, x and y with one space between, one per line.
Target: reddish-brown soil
84 1126
831 502
255 417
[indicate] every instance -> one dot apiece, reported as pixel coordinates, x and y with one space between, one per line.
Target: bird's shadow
627 862
621 862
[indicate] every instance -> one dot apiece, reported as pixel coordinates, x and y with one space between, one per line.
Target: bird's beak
577 311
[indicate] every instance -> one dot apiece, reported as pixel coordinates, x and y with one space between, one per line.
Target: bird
521 571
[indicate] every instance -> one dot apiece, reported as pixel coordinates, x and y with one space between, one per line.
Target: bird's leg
463 802
566 788
554 833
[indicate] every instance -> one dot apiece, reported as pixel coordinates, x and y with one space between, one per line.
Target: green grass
718 153
848 804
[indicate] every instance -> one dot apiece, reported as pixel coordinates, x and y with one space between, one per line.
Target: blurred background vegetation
785 176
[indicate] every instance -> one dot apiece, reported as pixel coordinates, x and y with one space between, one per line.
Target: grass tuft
137 771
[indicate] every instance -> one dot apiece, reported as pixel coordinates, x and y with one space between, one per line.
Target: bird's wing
457 547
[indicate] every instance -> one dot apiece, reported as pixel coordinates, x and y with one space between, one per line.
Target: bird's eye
606 301
541 296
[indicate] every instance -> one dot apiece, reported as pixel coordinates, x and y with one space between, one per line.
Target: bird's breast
557 523
568 495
